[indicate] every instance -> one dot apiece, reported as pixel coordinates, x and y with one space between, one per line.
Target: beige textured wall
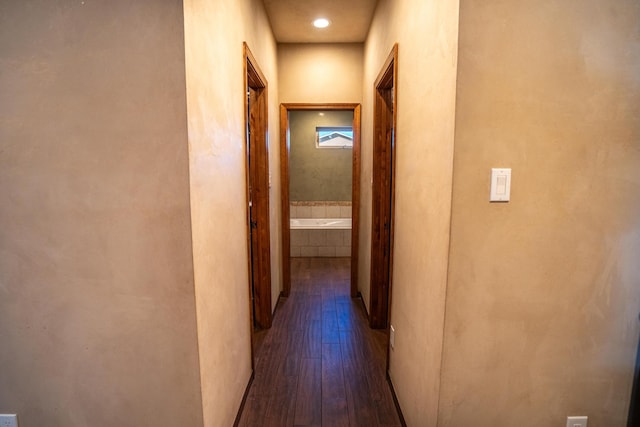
544 291
97 311
427 35
317 73
214 32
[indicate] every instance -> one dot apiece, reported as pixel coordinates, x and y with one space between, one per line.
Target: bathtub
320 237
320 223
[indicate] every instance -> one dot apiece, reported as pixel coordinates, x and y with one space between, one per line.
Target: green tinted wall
318 173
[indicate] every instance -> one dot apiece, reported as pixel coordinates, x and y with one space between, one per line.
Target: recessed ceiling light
321 23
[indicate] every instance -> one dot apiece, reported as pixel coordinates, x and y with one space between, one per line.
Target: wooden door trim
284 178
380 293
284 200
255 79
254 76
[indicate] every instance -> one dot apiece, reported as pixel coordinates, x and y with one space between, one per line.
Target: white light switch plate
500 185
8 420
577 421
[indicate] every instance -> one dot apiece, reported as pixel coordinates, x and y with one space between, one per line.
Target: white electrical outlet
577 421
392 337
8 420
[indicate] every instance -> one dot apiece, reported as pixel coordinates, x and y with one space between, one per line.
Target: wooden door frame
384 138
260 287
285 108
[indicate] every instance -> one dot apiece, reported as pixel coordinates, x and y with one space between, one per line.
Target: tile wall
320 243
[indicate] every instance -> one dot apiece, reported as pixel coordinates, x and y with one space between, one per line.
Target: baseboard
395 401
393 391
281 300
364 307
244 400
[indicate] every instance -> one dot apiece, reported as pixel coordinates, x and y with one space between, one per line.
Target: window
334 137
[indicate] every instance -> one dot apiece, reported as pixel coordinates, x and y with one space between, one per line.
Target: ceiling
291 20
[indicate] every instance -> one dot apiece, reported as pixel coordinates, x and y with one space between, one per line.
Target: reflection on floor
320 364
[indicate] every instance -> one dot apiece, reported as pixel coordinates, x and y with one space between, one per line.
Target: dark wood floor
320 364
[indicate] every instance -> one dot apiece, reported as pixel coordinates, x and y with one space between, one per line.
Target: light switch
500 185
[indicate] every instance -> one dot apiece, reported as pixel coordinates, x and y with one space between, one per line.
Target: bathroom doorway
335 131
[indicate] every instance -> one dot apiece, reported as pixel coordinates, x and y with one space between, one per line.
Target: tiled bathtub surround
320 243
320 210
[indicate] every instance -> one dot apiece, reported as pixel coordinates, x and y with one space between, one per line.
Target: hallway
320 363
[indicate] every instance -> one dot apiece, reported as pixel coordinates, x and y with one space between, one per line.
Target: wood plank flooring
320 364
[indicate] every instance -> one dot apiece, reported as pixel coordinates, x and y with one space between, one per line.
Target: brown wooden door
382 194
258 195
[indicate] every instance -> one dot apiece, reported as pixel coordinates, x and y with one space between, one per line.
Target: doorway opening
384 126
325 137
257 171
